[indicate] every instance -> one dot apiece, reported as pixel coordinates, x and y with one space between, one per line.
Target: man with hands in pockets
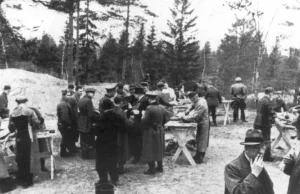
246 174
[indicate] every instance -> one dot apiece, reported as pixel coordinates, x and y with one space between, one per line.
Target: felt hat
145 84
238 79
21 99
151 94
90 90
7 87
253 137
111 88
192 94
269 90
139 90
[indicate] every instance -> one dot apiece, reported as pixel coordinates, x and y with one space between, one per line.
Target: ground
75 175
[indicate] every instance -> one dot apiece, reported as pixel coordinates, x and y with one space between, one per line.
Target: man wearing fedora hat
265 117
136 136
246 174
21 122
85 123
110 94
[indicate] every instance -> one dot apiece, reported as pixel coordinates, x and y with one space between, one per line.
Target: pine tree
181 46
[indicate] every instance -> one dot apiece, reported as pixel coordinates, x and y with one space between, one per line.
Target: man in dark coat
265 117
123 149
292 164
200 88
22 121
108 127
110 94
64 122
213 98
280 105
239 95
154 119
136 136
4 111
246 173
85 123
76 97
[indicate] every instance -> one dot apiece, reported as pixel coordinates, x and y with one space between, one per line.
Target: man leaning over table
199 115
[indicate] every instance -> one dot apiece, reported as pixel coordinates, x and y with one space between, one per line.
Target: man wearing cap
110 94
4 111
200 116
123 149
109 126
71 89
65 119
291 162
22 122
265 117
85 123
136 136
239 95
154 138
201 88
246 174
132 99
213 98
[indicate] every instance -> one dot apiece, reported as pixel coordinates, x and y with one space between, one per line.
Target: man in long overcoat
85 124
110 94
213 98
136 136
246 174
22 122
108 128
265 117
154 119
199 115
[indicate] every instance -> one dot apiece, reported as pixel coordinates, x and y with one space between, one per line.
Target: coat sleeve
219 97
289 164
236 185
146 119
90 109
11 125
58 113
271 112
197 114
34 121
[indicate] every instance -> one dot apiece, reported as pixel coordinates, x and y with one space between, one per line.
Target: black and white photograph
150 96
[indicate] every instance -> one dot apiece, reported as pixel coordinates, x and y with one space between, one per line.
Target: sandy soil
74 175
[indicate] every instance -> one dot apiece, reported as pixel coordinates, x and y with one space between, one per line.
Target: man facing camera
246 174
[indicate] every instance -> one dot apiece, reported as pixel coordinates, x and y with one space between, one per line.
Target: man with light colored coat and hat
246 174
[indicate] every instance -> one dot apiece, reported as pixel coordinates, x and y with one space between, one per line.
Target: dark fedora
21 99
253 137
139 90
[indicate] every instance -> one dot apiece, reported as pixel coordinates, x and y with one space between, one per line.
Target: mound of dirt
43 91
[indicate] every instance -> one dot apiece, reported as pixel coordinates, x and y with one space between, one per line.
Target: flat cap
269 90
7 87
21 99
111 88
90 90
160 84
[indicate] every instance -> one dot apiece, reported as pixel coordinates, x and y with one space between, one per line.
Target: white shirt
171 92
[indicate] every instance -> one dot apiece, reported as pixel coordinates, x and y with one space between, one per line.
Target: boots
43 166
64 153
159 167
151 169
199 157
214 121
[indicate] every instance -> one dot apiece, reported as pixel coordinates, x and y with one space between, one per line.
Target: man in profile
246 174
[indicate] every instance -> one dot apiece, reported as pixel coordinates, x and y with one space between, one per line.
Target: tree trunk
70 50
77 41
126 41
63 61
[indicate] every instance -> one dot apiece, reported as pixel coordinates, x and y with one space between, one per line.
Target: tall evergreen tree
181 46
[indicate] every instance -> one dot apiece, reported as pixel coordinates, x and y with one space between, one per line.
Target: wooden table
10 155
182 132
226 104
284 134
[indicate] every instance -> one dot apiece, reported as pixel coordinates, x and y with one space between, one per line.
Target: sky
214 20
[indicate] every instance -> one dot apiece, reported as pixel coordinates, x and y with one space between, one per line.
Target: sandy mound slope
42 90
